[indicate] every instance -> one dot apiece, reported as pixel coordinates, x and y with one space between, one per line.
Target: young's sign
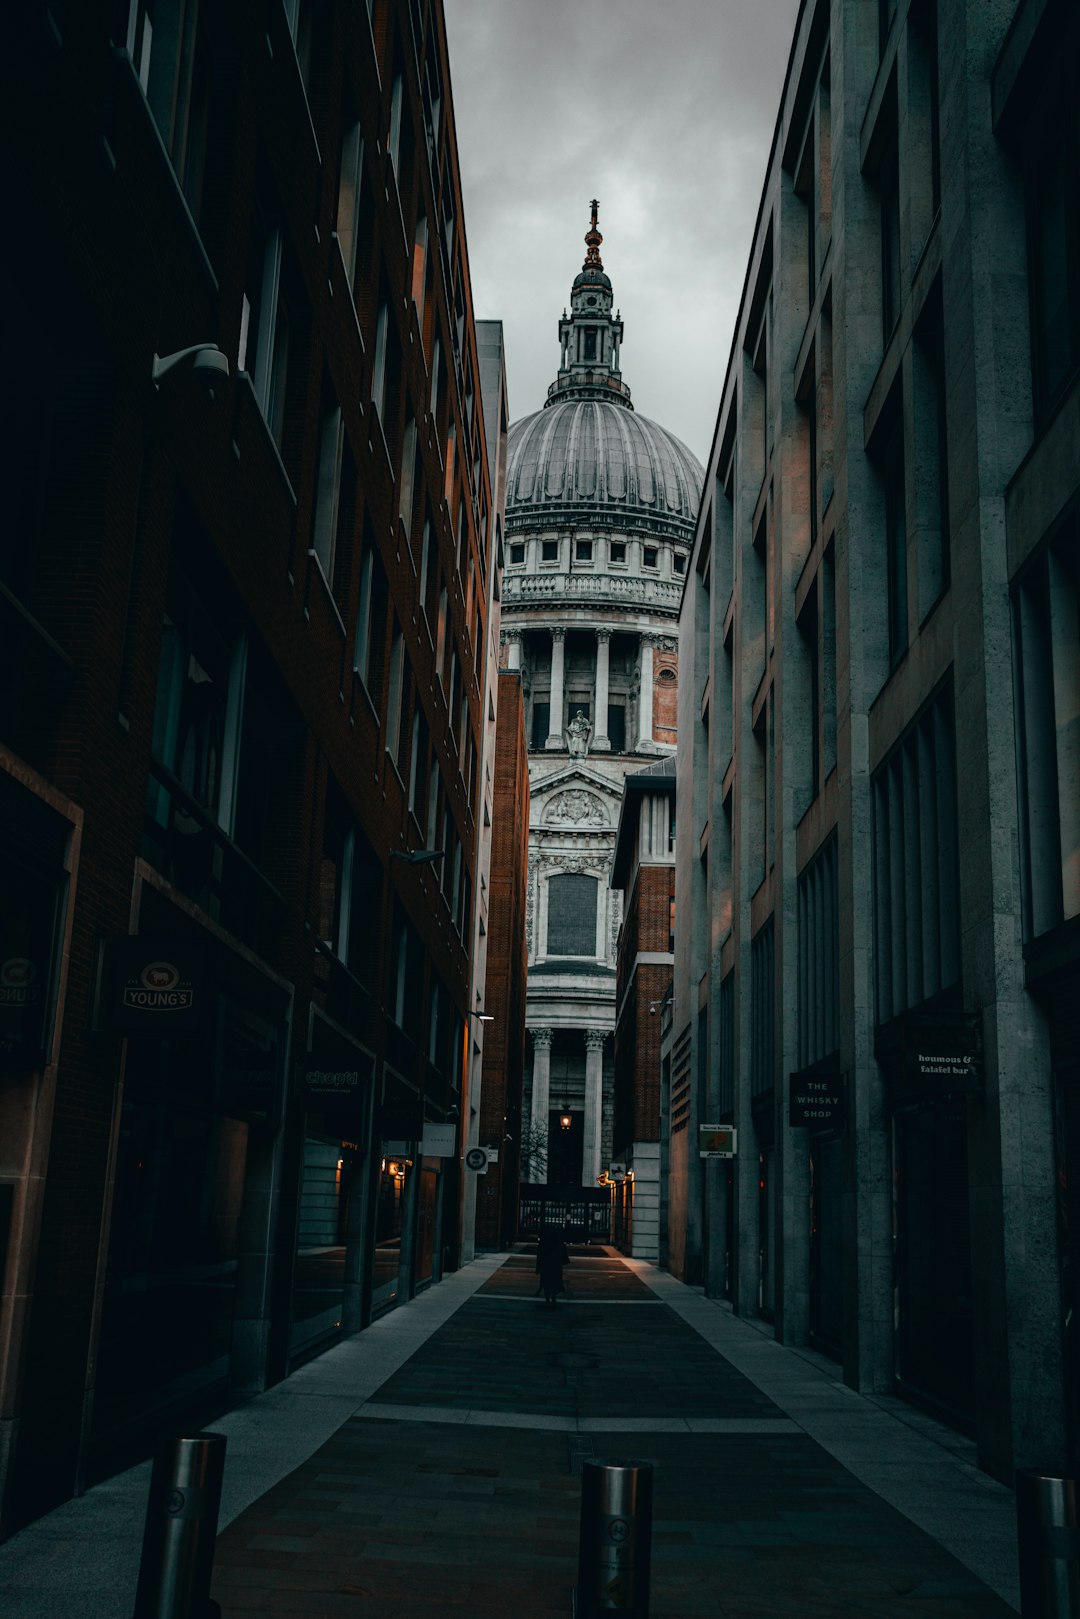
153 986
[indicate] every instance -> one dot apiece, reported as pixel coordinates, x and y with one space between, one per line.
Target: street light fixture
416 857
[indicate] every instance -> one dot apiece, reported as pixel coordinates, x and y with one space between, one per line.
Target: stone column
513 649
555 720
645 699
541 1091
600 740
594 1106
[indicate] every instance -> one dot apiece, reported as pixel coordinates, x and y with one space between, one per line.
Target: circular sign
619 1531
476 1158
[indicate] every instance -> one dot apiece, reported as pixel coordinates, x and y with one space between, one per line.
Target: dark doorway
826 1271
935 1341
566 1145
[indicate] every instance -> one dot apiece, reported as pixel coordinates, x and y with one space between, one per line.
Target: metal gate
586 1210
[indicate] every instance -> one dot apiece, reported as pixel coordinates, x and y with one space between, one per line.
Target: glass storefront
330 1179
171 1280
194 1173
395 1174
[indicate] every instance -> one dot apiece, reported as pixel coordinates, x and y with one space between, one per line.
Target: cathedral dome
588 458
599 460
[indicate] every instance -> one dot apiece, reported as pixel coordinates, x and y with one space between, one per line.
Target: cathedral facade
600 512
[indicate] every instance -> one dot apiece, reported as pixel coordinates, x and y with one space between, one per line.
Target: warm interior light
565 1120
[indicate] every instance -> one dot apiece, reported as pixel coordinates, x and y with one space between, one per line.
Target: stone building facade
878 959
600 509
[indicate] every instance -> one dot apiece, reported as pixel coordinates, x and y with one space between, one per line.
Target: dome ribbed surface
589 453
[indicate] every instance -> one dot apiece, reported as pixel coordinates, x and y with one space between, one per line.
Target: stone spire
590 335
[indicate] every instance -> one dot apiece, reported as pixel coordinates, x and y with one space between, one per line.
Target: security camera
204 361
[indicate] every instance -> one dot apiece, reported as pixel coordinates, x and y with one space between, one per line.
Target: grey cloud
663 112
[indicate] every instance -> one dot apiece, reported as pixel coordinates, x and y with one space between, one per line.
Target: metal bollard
181 1528
1048 1543
615 1548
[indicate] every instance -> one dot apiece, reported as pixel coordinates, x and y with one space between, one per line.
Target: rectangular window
590 343
571 928
169 54
583 550
517 555
1046 661
419 265
650 556
726 1043
407 476
324 527
888 454
378 367
393 138
1052 192
931 537
888 185
916 865
371 622
549 550
762 1010
350 180
263 349
541 724
617 550
395 693
818 1021
616 727
678 562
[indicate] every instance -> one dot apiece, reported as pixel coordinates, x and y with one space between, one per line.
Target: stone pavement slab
432 1466
426 1502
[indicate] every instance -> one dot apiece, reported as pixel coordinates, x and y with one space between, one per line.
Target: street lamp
482 1017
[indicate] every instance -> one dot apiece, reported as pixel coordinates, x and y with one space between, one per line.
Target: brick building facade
500 1123
244 592
643 868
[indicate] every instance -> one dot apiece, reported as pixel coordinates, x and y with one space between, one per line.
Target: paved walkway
432 1466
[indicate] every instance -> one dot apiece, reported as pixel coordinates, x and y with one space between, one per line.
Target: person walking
551 1256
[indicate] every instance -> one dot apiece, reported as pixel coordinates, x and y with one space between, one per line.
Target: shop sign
153 986
22 1006
717 1141
944 1052
476 1158
440 1141
322 1080
816 1101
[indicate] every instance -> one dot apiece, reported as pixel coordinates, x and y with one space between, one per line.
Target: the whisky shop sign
153 986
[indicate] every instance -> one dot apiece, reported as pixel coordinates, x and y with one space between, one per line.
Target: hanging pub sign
940 1054
330 1082
154 986
717 1141
28 911
816 1100
439 1141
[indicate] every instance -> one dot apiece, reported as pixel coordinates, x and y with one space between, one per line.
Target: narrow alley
432 1466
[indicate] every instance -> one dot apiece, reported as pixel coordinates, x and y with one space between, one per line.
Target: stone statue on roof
578 735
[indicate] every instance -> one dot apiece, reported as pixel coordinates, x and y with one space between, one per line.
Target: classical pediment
576 775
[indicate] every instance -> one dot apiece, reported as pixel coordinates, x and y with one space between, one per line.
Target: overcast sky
662 109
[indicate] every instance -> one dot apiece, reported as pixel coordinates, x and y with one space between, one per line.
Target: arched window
571 915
